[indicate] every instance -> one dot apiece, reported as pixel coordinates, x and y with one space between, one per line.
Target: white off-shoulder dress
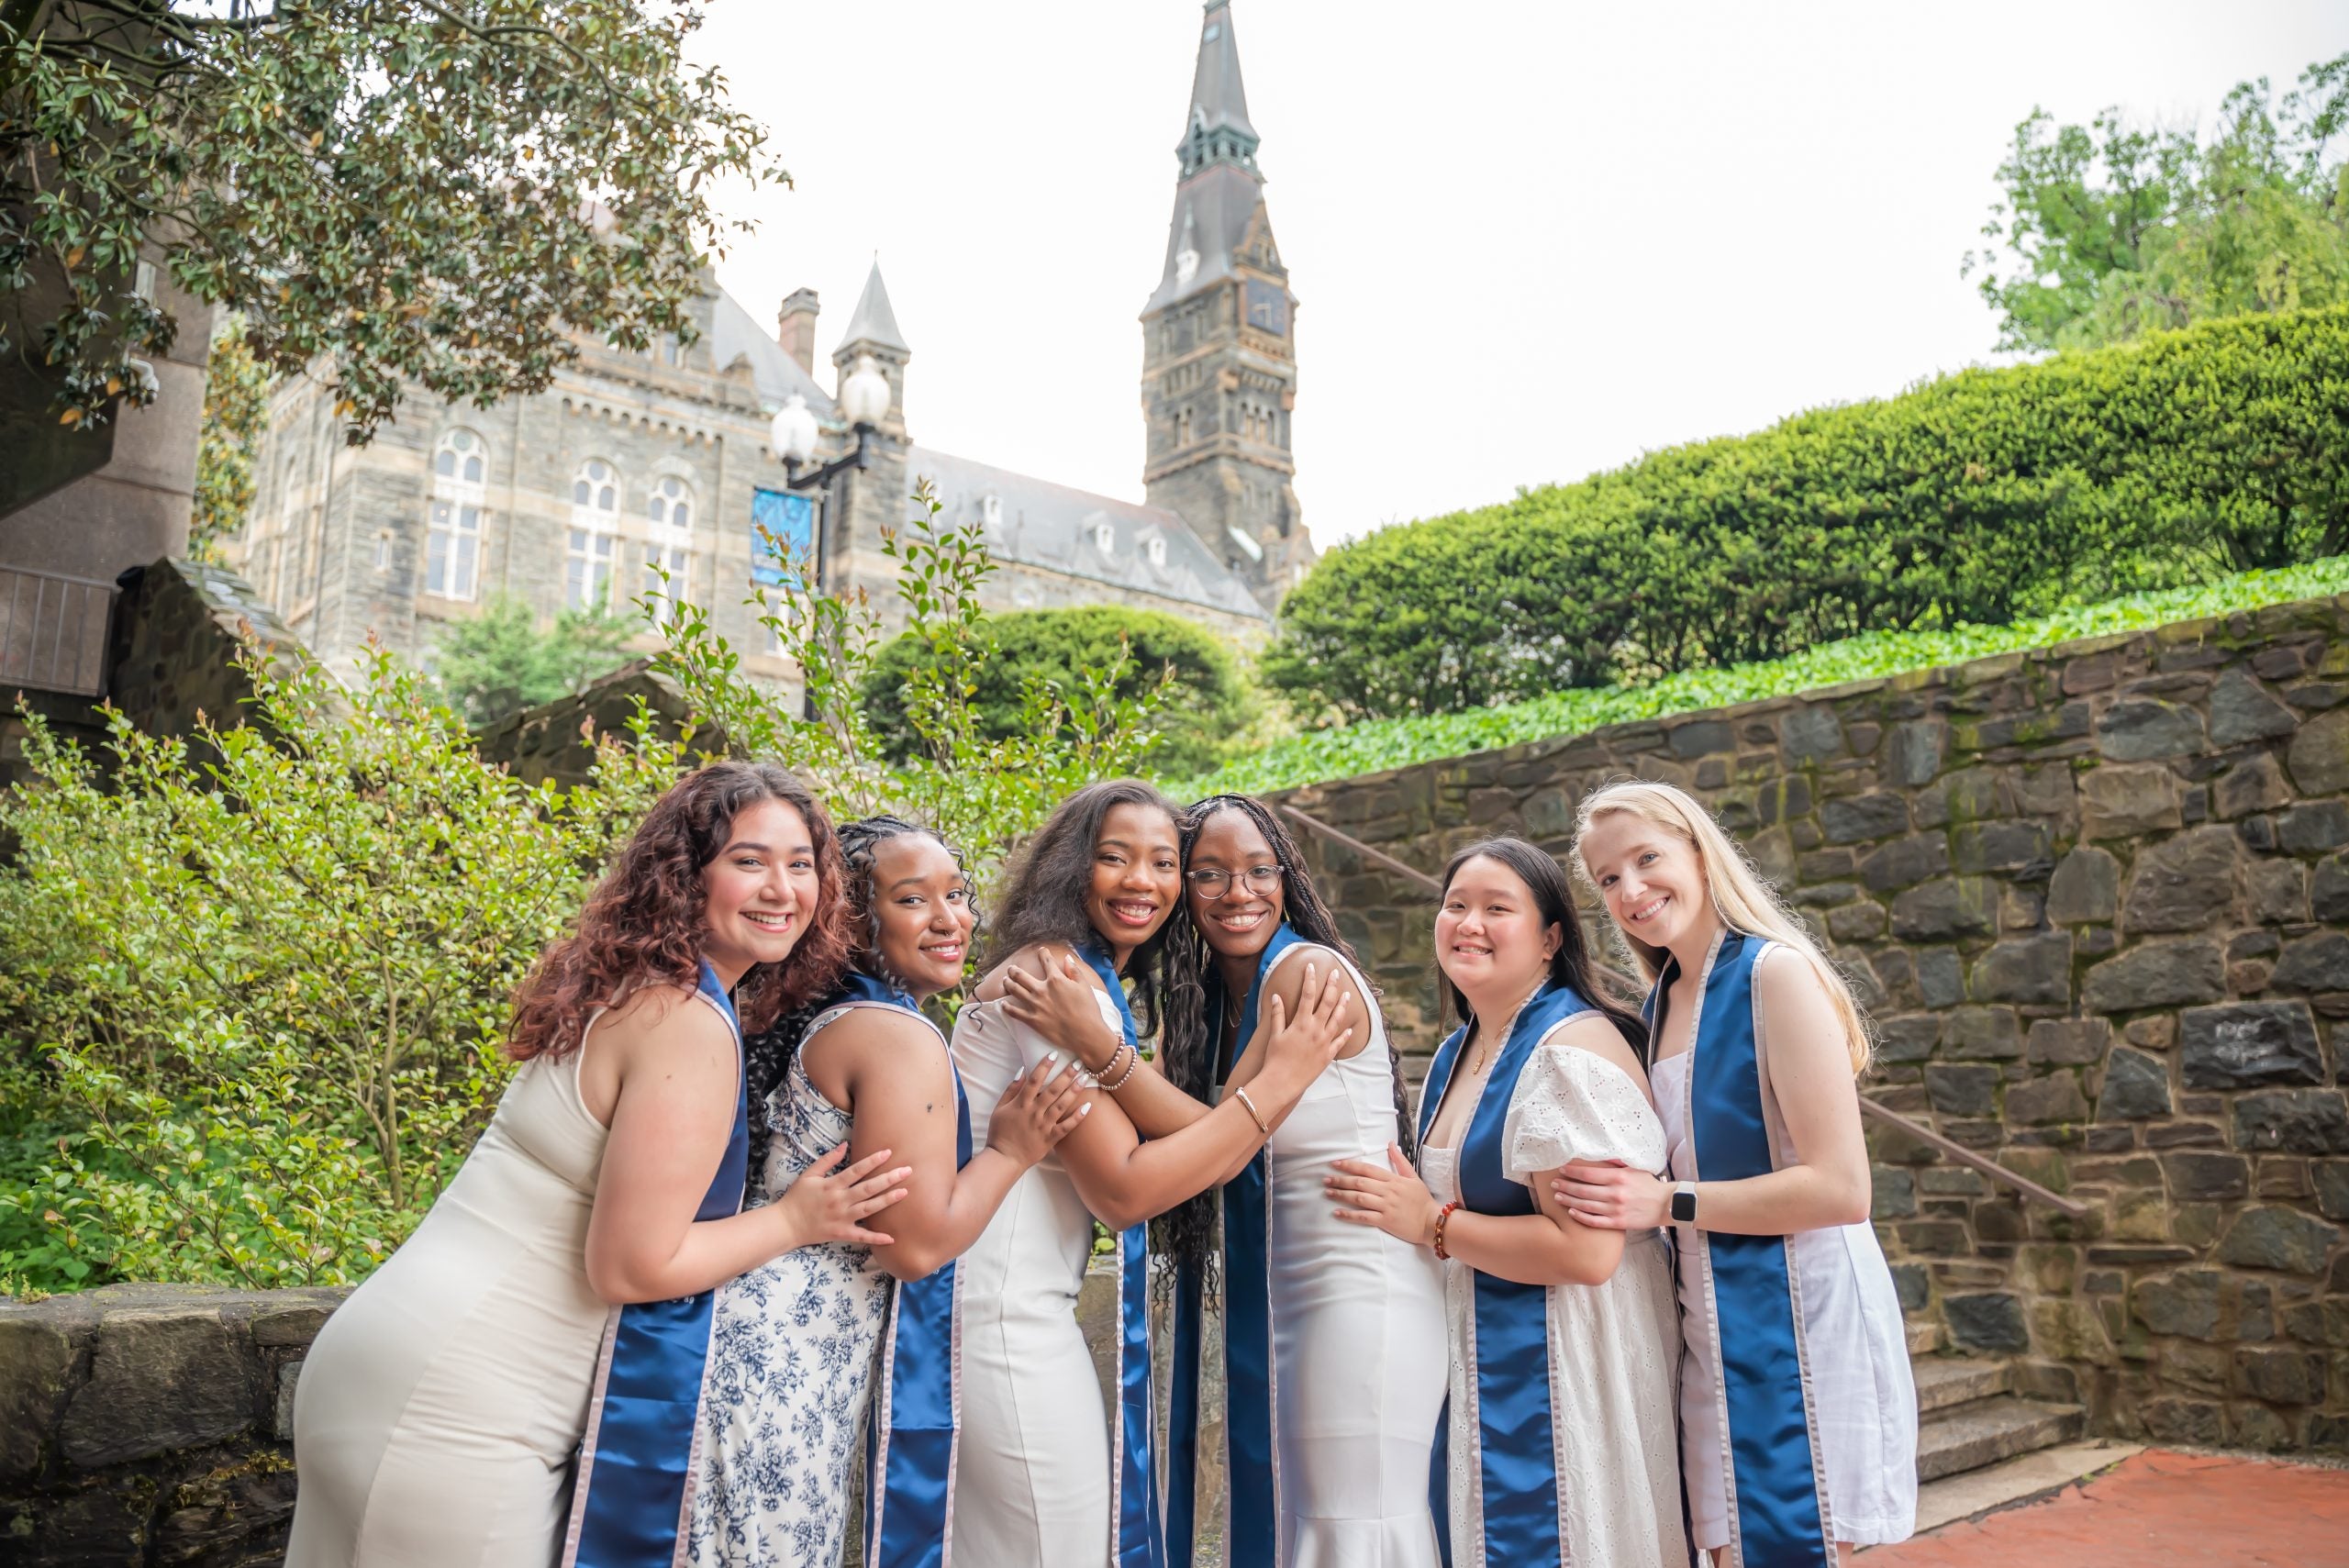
1614 1346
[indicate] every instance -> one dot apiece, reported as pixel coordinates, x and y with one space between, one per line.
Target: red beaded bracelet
1442 1216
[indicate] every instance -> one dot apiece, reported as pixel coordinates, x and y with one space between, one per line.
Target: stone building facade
630 463
2096 899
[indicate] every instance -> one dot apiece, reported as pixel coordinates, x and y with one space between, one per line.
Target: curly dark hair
1553 901
1045 899
1190 1038
643 924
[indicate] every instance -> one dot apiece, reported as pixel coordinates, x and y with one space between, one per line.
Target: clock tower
1218 342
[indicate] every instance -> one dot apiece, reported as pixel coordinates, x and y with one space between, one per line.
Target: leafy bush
1209 703
1374 746
1971 500
984 783
250 1008
499 661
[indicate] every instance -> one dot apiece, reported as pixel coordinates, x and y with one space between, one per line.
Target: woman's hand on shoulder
830 1203
1051 991
1036 1111
1301 1034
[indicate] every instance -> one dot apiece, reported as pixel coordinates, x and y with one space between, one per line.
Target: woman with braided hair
1333 1382
794 1360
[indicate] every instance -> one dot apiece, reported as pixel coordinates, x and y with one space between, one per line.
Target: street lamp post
864 400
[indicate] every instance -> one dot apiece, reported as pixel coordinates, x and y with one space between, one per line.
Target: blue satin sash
1140 1532
1251 1441
1517 1454
635 1478
1778 1506
909 1443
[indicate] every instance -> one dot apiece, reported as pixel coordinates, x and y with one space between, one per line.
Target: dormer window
1103 537
1157 547
991 511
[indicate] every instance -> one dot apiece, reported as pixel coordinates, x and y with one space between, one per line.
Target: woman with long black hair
1042 1474
1331 1391
1560 1445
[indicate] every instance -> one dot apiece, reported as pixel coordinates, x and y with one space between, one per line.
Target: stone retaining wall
2097 899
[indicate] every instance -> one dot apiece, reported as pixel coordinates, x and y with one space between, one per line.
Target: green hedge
1211 708
1972 499
1351 750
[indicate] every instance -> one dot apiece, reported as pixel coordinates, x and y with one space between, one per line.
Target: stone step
1984 1432
1926 1336
1946 1382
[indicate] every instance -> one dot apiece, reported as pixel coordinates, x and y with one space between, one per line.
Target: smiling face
1490 939
761 891
1653 882
1239 922
1137 876
921 919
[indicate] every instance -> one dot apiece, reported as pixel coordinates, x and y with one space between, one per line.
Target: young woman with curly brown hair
556 1301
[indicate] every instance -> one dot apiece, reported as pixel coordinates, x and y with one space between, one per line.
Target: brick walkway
2179 1510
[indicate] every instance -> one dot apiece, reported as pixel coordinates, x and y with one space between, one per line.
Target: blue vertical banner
783 537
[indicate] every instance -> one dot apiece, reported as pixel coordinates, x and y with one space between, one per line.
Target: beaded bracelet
1444 1217
1134 1059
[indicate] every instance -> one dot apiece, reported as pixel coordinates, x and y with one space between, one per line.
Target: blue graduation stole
1252 1525
909 1442
1138 1535
1517 1448
634 1483
1777 1509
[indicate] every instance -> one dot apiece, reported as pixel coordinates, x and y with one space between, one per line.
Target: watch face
1268 307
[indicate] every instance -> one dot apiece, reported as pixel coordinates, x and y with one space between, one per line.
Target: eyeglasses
1211 882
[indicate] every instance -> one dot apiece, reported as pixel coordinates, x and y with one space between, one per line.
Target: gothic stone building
630 461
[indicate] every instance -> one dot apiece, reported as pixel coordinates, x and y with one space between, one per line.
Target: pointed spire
874 322
1217 129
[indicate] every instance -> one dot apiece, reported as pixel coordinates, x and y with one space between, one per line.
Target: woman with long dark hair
1042 1475
1560 1446
792 1361
1327 1432
557 1299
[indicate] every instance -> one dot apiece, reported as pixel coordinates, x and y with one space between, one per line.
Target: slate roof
1211 213
874 322
1055 527
735 335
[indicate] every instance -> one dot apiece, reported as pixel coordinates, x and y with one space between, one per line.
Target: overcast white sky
1529 240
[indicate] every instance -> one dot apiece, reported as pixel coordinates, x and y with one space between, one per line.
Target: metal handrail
1925 1135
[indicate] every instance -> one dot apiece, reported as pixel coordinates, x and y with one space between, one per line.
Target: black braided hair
767 1056
1189 1039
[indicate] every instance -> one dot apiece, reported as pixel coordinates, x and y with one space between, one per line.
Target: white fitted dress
1857 1357
1613 1346
1032 1477
1357 1317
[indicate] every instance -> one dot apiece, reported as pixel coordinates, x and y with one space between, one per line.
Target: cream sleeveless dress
1031 1479
440 1411
1358 1330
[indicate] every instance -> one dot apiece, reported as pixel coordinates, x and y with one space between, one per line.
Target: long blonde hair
1740 896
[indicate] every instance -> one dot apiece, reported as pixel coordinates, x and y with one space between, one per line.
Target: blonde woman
1797 1416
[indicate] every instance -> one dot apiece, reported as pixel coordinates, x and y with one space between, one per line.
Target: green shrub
500 660
1350 750
250 1008
1207 705
1972 499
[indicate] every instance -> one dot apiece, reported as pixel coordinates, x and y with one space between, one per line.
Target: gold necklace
1479 1069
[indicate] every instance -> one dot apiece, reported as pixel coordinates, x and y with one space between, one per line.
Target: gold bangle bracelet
1262 1126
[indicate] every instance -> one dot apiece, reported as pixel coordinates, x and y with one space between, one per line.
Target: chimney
794 327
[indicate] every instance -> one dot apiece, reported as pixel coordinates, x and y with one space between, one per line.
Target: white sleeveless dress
791 1370
1358 1318
1031 1482
1613 1346
1858 1359
438 1412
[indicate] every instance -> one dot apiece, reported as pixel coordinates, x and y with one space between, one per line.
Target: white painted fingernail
1085 1110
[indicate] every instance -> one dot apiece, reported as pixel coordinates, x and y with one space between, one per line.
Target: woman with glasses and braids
794 1360
1332 1333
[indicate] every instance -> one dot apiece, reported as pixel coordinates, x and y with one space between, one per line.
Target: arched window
595 531
670 546
281 540
453 531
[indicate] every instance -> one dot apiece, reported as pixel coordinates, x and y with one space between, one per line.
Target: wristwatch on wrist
1683 1203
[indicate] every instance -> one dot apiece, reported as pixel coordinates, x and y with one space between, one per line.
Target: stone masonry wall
2096 898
